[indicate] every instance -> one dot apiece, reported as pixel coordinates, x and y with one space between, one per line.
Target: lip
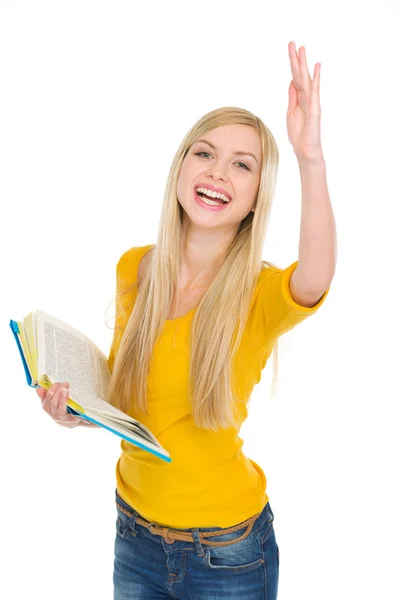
213 188
204 205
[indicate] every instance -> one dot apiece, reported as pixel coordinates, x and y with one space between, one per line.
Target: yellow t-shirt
210 482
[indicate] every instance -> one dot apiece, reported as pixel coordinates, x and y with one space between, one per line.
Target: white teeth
213 194
211 202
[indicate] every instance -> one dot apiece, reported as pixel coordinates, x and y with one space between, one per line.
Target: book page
103 410
130 427
26 350
134 435
66 354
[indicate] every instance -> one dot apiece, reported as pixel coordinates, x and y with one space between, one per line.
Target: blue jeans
147 567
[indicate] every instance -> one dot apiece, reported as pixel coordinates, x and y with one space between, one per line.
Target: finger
316 78
54 396
63 415
294 64
59 415
48 400
45 397
301 75
303 66
55 400
60 402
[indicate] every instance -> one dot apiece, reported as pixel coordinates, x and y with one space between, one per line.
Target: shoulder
272 278
127 257
277 285
132 263
132 255
267 270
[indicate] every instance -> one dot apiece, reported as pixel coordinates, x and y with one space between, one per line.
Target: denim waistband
266 515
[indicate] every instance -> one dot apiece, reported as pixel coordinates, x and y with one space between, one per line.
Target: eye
239 163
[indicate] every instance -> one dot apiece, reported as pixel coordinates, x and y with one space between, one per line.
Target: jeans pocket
245 555
122 526
118 527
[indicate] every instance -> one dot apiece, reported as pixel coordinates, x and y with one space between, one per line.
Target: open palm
304 111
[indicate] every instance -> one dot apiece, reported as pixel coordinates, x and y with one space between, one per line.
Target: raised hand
304 111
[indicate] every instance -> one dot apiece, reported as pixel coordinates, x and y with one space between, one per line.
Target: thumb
40 392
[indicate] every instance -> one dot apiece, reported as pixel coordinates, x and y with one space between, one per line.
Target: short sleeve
275 310
124 294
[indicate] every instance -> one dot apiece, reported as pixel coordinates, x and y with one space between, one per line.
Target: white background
95 98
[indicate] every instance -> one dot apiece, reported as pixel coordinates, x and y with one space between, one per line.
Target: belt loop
129 529
132 523
197 542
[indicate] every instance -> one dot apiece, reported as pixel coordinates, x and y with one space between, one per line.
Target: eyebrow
235 151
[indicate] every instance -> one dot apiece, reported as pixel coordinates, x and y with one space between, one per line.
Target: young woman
198 315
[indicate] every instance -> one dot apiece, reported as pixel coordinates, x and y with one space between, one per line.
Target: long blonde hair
221 316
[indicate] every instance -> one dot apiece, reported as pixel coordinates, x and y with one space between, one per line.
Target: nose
217 172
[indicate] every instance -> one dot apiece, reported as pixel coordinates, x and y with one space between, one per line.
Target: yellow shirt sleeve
122 299
125 295
276 311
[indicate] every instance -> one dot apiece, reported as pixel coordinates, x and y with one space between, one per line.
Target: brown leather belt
171 535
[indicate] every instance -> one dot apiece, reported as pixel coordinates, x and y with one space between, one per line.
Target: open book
52 351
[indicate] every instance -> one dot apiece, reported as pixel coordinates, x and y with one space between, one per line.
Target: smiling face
227 163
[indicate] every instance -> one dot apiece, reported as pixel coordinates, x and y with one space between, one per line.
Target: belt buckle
154 525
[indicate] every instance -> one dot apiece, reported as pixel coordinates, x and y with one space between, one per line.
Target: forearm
318 242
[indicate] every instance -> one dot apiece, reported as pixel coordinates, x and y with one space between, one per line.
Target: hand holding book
54 402
53 352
